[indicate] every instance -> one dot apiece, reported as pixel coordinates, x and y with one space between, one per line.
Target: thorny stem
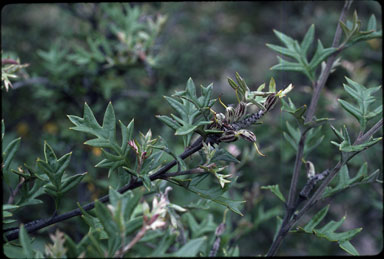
291 203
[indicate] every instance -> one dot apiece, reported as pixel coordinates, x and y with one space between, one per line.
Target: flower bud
246 134
240 110
230 114
270 102
220 118
228 136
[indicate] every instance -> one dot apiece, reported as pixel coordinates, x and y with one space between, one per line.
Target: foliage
115 61
328 231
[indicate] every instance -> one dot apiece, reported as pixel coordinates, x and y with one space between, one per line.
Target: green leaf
25 242
328 230
351 109
168 121
94 224
105 217
2 129
185 129
12 251
357 148
308 39
109 122
106 133
371 23
176 105
288 66
72 251
167 240
288 41
146 182
349 248
9 153
214 194
191 248
207 225
320 55
54 168
223 155
364 98
71 182
282 50
275 190
309 227
191 89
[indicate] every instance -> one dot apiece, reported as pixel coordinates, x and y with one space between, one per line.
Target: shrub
186 204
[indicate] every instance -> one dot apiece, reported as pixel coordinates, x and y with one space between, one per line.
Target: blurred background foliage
134 54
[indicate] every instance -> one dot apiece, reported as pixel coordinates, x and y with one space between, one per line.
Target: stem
291 203
39 224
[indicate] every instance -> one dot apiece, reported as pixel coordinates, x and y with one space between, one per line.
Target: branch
39 224
160 174
318 193
309 116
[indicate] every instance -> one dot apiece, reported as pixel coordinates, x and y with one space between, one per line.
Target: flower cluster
231 124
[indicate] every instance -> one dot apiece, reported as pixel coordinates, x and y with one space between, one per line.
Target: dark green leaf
168 121
25 242
349 248
308 39
309 227
9 152
275 190
191 248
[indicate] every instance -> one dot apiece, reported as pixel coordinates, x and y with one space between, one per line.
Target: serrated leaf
351 109
309 227
288 41
54 168
71 182
168 121
364 97
356 148
176 105
106 133
320 55
275 190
